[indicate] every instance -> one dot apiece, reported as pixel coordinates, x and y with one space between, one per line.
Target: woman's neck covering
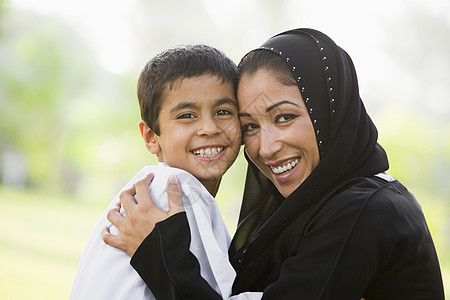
345 134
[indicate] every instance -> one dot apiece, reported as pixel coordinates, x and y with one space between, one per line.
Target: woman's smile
285 167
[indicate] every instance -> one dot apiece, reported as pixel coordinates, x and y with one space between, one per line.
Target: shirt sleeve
166 265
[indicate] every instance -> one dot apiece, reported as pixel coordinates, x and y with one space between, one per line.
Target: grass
41 240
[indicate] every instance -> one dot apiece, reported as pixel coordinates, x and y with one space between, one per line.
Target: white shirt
105 272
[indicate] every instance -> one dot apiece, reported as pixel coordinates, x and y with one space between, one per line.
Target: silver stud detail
310 110
321 48
320 142
271 48
307 99
281 52
329 79
326 68
287 59
330 89
317 132
332 100
299 78
324 58
315 121
303 89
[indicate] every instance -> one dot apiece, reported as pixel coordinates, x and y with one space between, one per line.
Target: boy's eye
248 128
186 116
223 112
284 118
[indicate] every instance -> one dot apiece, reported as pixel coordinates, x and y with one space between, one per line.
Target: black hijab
346 136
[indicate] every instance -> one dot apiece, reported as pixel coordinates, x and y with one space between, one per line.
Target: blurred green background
68 112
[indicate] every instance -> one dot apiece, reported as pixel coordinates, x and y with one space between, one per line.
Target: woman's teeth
208 152
285 168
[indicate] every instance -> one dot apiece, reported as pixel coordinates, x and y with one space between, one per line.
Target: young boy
189 120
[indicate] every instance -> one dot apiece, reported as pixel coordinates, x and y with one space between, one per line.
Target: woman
320 218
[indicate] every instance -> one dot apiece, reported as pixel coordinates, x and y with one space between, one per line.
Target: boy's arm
142 216
162 257
166 265
158 242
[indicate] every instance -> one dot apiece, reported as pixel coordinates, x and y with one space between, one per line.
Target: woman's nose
269 143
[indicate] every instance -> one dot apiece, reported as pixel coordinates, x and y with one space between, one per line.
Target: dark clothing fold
368 240
166 265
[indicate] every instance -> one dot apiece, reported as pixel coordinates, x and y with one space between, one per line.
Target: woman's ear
151 139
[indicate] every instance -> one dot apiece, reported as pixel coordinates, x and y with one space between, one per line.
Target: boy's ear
151 139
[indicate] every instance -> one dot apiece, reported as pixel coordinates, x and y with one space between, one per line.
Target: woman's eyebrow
270 108
244 114
273 106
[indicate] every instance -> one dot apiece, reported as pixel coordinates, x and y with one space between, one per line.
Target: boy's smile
199 127
208 151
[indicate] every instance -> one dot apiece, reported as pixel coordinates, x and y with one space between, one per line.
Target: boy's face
199 127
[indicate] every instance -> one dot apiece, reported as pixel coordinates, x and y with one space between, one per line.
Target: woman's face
277 130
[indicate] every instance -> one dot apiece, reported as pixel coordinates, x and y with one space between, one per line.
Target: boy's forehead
199 89
178 81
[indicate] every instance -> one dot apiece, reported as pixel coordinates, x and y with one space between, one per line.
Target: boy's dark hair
179 62
267 60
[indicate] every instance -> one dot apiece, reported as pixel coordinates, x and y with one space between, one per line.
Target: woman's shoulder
381 189
378 197
347 202
388 196
388 205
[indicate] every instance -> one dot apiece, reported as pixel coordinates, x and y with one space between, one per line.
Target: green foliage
71 121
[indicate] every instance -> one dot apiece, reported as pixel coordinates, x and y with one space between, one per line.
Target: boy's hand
140 217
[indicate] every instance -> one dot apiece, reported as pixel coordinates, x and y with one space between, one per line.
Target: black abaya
342 234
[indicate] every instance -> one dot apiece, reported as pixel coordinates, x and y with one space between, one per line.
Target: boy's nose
208 126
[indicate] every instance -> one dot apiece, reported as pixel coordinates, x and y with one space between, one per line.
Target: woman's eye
247 128
186 116
223 112
284 118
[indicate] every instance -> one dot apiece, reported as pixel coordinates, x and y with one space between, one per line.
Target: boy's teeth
285 168
208 152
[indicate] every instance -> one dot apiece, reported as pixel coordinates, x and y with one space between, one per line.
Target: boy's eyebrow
194 105
270 108
183 105
226 101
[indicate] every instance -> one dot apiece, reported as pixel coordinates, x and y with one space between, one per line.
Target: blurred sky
113 29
